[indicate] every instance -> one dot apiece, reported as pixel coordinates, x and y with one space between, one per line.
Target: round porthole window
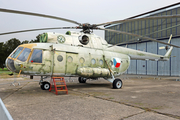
101 62
69 59
81 60
93 61
60 58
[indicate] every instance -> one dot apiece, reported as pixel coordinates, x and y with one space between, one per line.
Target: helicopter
78 54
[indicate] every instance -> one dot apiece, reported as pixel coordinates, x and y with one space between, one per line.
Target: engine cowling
84 39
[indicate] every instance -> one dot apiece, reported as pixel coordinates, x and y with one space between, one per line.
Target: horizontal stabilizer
161 48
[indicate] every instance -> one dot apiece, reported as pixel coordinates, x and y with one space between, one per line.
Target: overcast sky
82 11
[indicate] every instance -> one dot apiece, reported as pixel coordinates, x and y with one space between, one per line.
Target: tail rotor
166 47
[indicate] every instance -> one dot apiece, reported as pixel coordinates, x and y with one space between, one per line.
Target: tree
25 42
7 48
2 54
11 44
35 40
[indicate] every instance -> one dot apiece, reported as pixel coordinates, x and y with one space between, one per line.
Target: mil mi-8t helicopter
77 54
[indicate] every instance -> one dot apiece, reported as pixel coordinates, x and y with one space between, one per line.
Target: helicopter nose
10 65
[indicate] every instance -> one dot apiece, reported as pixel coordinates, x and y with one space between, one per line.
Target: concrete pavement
143 99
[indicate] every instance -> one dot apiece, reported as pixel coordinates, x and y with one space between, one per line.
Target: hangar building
159 29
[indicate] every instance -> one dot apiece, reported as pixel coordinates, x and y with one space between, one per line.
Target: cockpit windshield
24 55
16 53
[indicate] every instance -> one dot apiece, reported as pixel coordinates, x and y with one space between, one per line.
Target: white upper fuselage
97 42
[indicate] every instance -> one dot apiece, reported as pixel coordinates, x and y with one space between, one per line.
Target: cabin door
59 63
71 63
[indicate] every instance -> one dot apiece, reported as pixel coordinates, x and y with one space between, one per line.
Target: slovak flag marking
116 62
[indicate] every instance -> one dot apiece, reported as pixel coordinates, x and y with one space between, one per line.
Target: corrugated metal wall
149 28
163 66
133 64
166 68
141 64
152 65
175 59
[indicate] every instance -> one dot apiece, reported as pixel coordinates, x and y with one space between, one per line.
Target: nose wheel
117 84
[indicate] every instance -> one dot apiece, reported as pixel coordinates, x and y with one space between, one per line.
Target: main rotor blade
132 40
37 14
144 18
20 31
136 35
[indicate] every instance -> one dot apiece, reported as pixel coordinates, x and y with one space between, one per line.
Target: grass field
5 71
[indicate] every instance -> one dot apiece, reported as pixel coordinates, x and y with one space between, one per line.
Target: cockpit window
24 55
36 56
16 53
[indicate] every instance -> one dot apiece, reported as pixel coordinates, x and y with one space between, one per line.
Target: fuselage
64 60
64 55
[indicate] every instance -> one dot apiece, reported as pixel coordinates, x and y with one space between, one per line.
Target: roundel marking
116 62
61 39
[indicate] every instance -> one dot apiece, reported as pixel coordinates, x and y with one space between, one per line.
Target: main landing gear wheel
82 80
45 85
117 84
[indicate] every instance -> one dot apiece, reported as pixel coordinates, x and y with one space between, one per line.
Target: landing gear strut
82 80
117 84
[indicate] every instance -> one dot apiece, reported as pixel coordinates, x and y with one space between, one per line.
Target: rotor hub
88 28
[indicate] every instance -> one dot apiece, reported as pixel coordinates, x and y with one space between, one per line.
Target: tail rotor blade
170 38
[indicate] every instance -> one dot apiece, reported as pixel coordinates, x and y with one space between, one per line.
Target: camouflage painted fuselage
64 55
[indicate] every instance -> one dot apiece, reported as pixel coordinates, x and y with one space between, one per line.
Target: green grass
5 71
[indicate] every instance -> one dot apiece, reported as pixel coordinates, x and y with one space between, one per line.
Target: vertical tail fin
168 53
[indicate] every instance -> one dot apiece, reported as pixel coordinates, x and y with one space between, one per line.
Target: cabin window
69 59
101 62
36 56
24 55
81 60
16 53
60 58
93 61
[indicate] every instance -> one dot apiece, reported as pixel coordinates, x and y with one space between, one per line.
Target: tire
45 86
42 86
82 80
117 84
